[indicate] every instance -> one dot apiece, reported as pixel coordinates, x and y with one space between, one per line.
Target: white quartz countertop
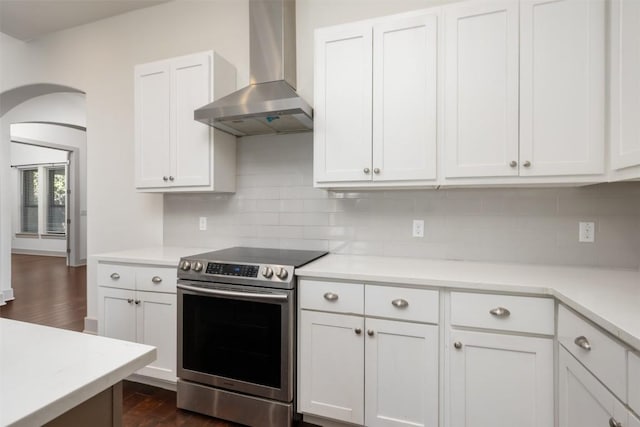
168 255
610 298
45 371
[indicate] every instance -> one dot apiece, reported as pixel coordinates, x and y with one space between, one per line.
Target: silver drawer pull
400 303
583 343
156 279
358 331
457 345
115 276
500 312
130 300
330 296
614 423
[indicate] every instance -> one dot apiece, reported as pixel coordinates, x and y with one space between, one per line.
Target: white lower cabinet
367 370
332 375
401 374
500 380
583 400
131 314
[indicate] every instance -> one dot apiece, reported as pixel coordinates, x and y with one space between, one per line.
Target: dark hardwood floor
47 292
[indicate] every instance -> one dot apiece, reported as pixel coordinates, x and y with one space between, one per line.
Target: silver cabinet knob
614 423
130 300
370 332
500 312
366 170
185 266
526 164
400 303
376 170
267 272
137 302
165 178
513 163
358 331
583 343
156 279
197 266
330 296
457 345
114 276
282 273
171 178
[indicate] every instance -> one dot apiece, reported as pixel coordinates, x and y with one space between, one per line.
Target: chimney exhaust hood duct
269 105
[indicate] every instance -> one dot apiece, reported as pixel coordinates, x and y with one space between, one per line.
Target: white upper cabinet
404 99
625 84
376 101
525 88
152 128
562 87
481 89
342 111
173 151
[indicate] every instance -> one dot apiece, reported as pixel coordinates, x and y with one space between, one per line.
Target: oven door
239 338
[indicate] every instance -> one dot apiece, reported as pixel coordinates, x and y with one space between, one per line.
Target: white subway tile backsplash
275 205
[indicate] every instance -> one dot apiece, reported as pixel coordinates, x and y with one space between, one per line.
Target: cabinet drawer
634 382
420 305
595 350
156 279
117 276
332 296
503 312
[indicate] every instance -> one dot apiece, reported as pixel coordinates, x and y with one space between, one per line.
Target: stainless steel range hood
269 104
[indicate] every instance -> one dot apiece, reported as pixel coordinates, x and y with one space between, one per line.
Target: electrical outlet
587 232
203 223
418 228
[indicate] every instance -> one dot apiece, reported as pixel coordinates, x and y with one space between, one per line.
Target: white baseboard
38 252
7 295
90 326
167 385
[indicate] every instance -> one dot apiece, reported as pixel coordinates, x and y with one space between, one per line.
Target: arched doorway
53 107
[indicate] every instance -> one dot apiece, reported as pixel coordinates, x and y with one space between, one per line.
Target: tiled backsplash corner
275 205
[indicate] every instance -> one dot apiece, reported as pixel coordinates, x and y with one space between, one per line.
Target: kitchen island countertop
45 371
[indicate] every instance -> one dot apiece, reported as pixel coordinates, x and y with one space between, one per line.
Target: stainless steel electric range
237 334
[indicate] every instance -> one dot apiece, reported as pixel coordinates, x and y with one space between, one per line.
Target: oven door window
236 339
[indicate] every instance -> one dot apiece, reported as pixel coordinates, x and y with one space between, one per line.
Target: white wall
98 59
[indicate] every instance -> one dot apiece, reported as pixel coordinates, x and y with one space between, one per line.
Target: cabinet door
583 400
401 371
117 314
331 366
405 99
481 89
500 380
342 111
625 84
156 326
191 88
152 127
562 87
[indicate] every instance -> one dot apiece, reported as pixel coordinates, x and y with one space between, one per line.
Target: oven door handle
247 295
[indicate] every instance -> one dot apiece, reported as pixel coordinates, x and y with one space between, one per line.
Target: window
56 201
29 200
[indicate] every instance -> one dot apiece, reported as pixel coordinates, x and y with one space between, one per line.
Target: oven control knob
282 273
197 266
267 272
185 266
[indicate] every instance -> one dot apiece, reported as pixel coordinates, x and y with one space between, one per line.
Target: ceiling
30 19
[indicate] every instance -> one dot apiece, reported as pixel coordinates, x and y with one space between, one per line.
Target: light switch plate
203 223
418 228
586 232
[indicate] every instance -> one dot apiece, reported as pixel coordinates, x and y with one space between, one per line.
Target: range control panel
239 270
249 274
